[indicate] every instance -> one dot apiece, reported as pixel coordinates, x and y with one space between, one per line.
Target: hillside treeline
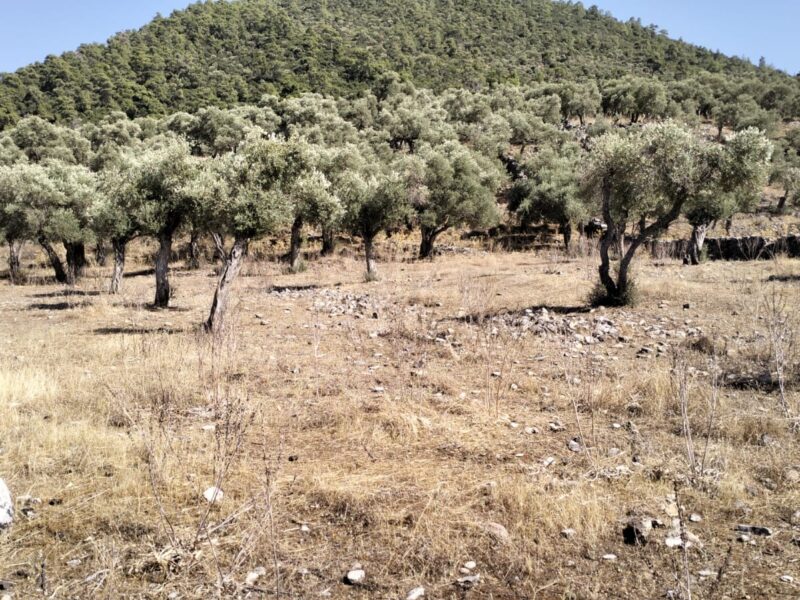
221 53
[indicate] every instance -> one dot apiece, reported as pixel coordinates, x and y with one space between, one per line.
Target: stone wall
744 248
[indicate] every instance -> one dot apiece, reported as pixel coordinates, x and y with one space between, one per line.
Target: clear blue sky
750 28
32 29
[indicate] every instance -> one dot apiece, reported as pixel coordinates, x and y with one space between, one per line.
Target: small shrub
599 296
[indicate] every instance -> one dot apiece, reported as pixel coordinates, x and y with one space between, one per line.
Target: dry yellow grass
395 435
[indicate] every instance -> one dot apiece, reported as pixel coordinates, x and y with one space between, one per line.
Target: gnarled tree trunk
55 261
295 244
696 243
428 241
76 261
120 247
782 202
230 270
328 241
369 255
566 230
100 254
162 269
194 250
14 263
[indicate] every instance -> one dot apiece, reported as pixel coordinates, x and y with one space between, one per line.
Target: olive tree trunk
14 263
369 255
100 254
428 242
618 291
295 244
782 202
696 243
328 241
566 231
230 270
55 261
120 246
194 250
76 261
162 269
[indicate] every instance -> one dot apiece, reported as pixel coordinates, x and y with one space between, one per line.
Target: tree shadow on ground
148 306
65 294
58 305
783 278
137 330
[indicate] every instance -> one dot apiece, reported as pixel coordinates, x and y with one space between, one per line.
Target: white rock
469 581
787 578
213 495
355 576
254 575
568 533
548 461
707 573
609 557
6 506
498 531
470 564
416 593
575 445
695 518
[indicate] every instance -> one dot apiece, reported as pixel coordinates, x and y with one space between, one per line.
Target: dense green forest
222 53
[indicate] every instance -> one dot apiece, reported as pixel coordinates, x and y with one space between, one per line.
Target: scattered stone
498 531
695 518
468 582
744 538
254 575
416 593
470 565
575 445
213 495
74 563
609 557
568 533
795 518
707 573
555 426
548 461
6 506
787 578
612 452
532 430
754 530
305 528
355 577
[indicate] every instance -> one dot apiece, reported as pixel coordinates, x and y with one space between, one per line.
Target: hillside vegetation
222 53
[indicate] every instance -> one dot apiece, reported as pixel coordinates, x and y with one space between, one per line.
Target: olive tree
648 177
14 225
549 192
450 186
243 195
116 212
374 200
160 179
732 182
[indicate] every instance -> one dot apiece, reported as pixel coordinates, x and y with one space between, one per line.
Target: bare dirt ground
410 426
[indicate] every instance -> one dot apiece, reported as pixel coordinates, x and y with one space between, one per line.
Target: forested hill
223 52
